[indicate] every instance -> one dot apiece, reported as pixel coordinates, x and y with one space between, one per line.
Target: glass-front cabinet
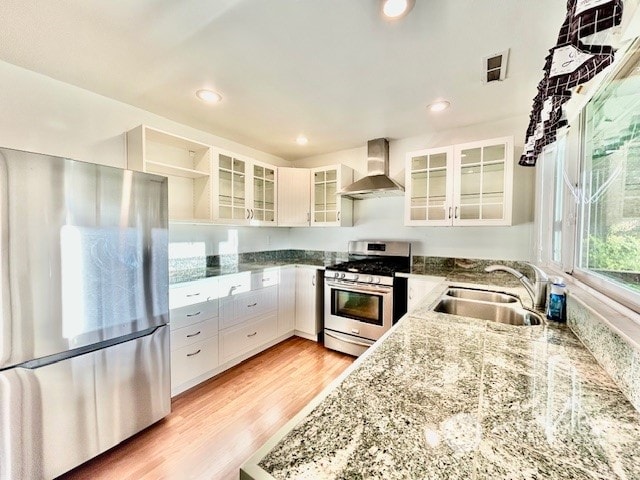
328 208
429 181
231 194
467 184
244 190
264 194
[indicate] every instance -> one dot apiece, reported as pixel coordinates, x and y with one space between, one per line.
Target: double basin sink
486 305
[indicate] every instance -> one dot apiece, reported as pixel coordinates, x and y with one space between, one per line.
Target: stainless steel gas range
363 297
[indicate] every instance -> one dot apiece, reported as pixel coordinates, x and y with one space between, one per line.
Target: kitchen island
449 397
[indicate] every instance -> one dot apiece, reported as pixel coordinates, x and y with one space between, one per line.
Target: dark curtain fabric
571 62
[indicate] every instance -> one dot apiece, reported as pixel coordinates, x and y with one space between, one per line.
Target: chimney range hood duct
377 183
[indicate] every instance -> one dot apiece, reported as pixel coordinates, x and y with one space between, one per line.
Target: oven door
358 309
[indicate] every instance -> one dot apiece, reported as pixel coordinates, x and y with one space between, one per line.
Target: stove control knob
342 275
336 274
376 280
355 277
370 279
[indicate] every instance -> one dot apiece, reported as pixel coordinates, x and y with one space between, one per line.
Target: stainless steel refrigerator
84 337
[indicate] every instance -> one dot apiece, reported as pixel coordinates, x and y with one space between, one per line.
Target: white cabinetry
287 300
309 302
194 333
419 288
186 164
328 208
466 184
244 190
294 197
248 319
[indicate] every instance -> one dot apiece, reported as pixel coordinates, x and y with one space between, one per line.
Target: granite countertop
182 276
449 397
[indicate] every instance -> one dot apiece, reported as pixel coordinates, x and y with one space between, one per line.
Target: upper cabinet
294 197
186 164
205 184
327 207
467 184
429 187
244 190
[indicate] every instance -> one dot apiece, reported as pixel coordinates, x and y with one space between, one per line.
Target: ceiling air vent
495 67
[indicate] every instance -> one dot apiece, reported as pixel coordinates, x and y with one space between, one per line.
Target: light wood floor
216 426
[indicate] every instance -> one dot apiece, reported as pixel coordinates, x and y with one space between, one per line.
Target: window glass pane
610 234
558 182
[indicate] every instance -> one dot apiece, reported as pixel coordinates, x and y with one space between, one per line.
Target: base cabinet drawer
193 292
191 314
193 360
197 332
240 339
247 306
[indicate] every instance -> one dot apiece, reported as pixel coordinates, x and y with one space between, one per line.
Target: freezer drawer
62 414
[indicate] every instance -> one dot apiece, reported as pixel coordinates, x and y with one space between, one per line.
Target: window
558 202
609 234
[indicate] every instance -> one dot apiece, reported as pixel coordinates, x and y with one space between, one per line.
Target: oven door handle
347 340
352 286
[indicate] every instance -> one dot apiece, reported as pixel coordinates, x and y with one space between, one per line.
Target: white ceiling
331 69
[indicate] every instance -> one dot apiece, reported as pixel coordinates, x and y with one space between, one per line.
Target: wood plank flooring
216 426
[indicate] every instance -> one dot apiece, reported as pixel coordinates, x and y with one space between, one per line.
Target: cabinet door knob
450 212
194 353
248 214
252 304
193 314
456 214
193 294
338 216
252 334
194 334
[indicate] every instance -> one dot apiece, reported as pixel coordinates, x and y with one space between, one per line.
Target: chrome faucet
537 290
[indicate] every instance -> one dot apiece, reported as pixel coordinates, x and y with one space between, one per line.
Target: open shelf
166 169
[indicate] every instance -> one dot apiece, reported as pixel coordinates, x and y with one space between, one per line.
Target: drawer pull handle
194 353
193 294
193 314
252 304
233 287
194 334
252 334
266 280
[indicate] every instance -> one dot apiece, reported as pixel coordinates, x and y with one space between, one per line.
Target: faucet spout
536 290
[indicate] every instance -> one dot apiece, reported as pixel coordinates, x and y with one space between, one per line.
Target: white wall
44 115
40 114
384 218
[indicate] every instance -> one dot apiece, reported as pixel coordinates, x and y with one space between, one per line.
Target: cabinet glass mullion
428 187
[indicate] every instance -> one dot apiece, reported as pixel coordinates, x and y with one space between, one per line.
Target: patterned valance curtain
574 60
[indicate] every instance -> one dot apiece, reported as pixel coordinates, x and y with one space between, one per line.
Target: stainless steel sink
483 295
498 312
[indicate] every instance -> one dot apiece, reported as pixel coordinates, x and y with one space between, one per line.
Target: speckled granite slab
446 397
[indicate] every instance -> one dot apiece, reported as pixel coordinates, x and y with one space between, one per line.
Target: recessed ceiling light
438 106
302 140
208 96
396 8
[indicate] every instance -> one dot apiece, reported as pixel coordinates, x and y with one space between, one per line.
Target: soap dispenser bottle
557 305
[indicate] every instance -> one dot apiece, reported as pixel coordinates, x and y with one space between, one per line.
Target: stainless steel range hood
377 183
